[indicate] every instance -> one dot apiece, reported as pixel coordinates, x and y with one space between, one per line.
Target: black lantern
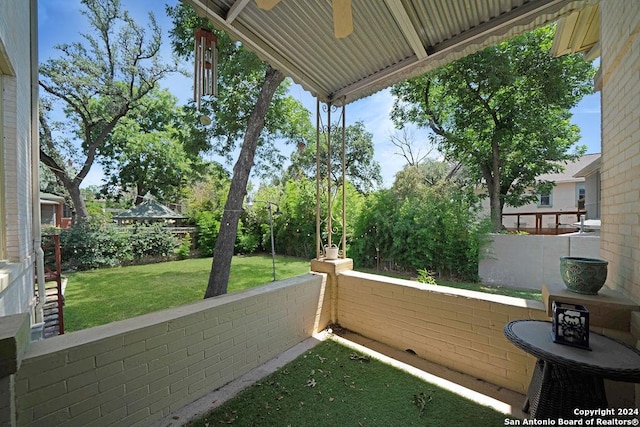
570 325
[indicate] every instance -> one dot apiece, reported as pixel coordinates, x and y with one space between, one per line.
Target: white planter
331 252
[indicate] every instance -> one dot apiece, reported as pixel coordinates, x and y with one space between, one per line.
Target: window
544 200
581 193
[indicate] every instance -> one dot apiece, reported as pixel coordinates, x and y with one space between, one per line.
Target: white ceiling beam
235 10
408 30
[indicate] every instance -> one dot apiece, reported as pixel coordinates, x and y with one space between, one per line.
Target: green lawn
332 385
102 296
498 290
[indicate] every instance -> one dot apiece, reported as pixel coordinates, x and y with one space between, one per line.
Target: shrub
184 248
151 241
208 227
90 245
425 277
434 227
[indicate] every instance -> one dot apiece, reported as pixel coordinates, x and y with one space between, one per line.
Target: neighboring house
591 175
568 195
19 158
53 211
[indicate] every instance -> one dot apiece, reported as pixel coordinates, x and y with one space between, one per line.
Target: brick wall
142 369
460 329
16 279
16 122
620 168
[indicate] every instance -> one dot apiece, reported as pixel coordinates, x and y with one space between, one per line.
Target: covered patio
141 370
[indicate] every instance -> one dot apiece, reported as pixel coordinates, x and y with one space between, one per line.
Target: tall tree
154 150
503 113
412 153
252 107
414 178
96 82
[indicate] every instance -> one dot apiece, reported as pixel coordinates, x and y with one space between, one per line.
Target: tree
251 107
415 177
97 82
406 144
361 170
148 152
503 113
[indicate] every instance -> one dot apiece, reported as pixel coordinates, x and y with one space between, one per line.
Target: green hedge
89 245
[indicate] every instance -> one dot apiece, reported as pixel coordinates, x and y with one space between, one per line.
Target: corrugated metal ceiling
296 36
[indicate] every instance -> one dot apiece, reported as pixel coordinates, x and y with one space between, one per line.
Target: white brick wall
16 121
462 330
16 289
142 369
620 62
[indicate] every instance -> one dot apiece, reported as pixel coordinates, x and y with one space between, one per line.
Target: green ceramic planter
583 275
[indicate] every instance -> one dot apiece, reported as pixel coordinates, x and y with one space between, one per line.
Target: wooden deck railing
539 229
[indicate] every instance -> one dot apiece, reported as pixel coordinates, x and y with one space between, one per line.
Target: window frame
547 195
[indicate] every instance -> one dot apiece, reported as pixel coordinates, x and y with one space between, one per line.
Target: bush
425 277
435 227
151 241
208 227
184 248
89 245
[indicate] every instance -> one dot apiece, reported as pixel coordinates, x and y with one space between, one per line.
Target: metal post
273 247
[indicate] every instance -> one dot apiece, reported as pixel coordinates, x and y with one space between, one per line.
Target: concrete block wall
620 167
460 329
528 261
142 369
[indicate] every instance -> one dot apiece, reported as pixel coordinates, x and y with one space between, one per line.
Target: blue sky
60 21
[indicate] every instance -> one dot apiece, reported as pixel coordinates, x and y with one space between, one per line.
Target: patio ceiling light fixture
342 15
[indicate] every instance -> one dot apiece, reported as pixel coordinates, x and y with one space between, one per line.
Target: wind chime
205 73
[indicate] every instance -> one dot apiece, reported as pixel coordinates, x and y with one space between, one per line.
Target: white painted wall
528 261
17 270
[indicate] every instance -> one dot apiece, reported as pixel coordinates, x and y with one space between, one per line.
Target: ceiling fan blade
342 18
267 4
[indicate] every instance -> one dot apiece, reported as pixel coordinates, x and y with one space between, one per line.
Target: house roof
589 168
392 40
570 173
149 209
50 199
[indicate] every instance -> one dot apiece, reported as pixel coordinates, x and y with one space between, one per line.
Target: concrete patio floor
482 392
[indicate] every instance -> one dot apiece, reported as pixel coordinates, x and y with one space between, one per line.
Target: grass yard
103 296
498 290
332 385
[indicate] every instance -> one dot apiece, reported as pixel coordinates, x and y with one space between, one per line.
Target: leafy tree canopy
361 169
503 113
96 82
154 150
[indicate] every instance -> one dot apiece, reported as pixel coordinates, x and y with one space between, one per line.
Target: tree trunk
494 188
223 252
81 213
